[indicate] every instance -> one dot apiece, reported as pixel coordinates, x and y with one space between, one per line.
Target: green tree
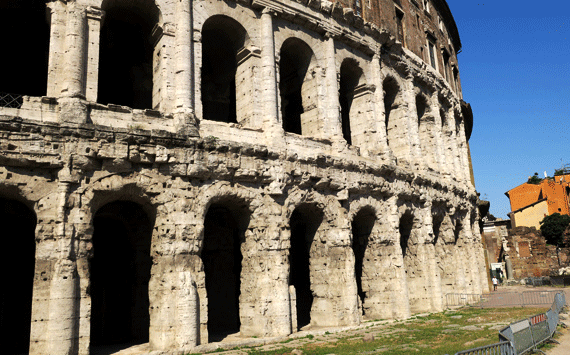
553 227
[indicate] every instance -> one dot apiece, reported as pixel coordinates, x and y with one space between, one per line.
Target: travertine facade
194 169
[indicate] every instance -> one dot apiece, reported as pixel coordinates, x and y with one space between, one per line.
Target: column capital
269 11
94 13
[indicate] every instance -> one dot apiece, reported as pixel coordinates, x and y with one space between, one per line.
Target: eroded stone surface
317 174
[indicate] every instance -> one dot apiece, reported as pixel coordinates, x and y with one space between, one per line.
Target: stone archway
362 225
129 52
120 273
18 238
224 232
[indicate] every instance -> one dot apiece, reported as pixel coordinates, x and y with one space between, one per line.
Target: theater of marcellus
174 172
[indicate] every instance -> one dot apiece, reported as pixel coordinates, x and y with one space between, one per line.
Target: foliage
535 180
553 227
558 172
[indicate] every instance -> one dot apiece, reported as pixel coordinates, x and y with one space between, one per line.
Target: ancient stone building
174 171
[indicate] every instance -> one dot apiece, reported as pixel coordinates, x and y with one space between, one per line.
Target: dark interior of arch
126 53
457 230
295 58
391 89
26 33
222 37
421 107
350 74
437 220
405 228
224 230
362 225
18 236
304 223
120 273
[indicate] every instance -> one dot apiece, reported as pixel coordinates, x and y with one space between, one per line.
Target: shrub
535 180
553 227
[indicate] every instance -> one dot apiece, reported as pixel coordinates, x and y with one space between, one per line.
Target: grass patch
435 334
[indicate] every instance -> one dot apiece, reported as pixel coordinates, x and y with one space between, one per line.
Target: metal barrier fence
461 299
525 335
502 348
11 100
501 299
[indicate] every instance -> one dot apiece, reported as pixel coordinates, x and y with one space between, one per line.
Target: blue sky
515 72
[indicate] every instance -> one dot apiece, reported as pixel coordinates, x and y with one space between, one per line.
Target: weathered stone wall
531 256
297 207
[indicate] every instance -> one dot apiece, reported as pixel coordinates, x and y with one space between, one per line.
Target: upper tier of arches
140 63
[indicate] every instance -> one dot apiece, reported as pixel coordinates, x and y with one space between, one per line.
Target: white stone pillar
271 125
455 148
94 18
413 137
378 126
73 107
437 133
184 75
333 124
464 157
74 57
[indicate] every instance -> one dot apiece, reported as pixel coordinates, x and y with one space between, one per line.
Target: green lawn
436 334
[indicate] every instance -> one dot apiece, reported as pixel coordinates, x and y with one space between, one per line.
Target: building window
431 51
446 56
440 23
358 7
426 6
400 27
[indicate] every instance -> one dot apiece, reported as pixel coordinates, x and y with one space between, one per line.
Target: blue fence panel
502 348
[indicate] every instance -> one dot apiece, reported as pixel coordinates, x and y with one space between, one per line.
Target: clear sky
515 72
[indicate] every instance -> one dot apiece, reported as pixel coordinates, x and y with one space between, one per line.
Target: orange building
530 203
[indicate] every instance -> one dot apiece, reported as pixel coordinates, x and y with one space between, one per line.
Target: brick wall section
531 256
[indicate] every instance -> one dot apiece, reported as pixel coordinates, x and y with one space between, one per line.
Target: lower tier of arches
177 264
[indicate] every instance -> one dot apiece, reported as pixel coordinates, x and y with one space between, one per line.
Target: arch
304 223
225 63
120 273
413 254
26 47
225 224
362 225
395 117
129 54
426 130
298 88
353 98
18 223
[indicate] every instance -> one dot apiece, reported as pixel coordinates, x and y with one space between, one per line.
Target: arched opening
352 101
395 118
18 232
297 87
413 263
129 44
362 225
457 231
437 220
120 273
24 62
426 123
222 40
405 228
304 223
224 232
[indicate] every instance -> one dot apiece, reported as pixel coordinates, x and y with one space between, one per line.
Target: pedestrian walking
495 283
